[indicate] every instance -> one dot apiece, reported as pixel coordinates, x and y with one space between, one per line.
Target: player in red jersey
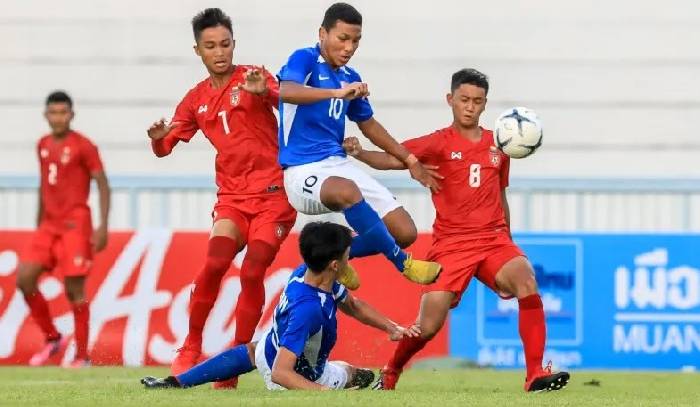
65 240
471 234
233 107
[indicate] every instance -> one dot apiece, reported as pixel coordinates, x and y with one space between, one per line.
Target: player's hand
398 332
352 91
99 239
352 146
255 82
160 129
427 175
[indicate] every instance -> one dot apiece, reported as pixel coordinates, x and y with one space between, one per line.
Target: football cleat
362 378
186 359
421 271
349 278
230 384
546 380
77 364
169 382
388 378
50 348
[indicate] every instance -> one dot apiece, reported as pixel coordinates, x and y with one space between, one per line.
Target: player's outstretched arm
370 316
378 160
283 373
161 144
99 237
298 94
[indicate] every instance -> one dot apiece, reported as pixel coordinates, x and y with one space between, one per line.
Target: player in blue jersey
293 354
317 92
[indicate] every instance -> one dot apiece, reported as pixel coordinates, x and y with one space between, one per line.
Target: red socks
220 254
252 299
39 309
81 318
405 351
533 332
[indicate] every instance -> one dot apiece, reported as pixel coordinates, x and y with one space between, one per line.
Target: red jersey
242 128
66 166
469 204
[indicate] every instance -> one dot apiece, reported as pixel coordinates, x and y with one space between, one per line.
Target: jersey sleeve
184 116
273 91
303 318
298 67
91 157
359 110
339 292
504 173
425 148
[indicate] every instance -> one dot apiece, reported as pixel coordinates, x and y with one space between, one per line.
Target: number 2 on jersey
474 175
52 177
222 114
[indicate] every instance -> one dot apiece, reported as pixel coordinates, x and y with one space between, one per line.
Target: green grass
110 386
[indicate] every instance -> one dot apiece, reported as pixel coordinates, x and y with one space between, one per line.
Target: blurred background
606 209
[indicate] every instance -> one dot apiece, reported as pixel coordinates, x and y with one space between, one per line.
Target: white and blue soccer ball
518 132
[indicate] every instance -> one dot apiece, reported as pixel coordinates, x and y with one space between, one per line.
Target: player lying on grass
471 234
293 354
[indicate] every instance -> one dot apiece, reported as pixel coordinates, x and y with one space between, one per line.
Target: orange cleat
545 380
186 359
388 378
230 384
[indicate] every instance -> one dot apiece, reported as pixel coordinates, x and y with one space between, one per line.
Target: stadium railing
537 204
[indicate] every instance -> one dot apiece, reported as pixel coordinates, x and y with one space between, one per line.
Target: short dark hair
343 12
322 242
59 96
210 17
470 76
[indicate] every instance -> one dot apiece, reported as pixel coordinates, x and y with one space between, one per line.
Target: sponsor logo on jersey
65 157
279 231
456 155
44 153
202 109
235 96
323 77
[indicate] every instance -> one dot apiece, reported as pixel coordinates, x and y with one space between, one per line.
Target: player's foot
362 379
230 384
186 359
77 364
349 278
546 380
388 378
421 271
51 348
169 382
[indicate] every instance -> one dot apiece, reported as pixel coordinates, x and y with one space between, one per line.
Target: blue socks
373 235
225 365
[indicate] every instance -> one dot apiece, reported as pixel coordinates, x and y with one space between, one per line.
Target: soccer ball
518 132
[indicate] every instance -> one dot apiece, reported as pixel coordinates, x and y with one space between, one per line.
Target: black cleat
362 379
169 382
552 381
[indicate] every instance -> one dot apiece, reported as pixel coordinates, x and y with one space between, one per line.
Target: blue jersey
305 323
313 132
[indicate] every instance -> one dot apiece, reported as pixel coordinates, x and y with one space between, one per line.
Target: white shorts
303 186
335 375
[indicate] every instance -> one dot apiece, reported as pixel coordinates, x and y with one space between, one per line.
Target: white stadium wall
614 82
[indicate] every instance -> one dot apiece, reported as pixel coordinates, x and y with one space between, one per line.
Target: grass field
110 386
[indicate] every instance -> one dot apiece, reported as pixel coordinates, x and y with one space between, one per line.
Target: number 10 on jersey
335 108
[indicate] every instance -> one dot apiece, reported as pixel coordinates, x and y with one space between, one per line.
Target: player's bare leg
342 194
401 226
434 308
252 297
224 242
75 291
27 278
517 278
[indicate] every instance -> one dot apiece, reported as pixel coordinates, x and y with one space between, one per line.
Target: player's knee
346 193
527 286
406 235
428 331
26 280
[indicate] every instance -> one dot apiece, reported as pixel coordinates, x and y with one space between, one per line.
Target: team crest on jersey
65 156
494 156
235 96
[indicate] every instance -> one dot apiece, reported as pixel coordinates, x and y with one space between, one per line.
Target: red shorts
463 259
63 247
268 218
